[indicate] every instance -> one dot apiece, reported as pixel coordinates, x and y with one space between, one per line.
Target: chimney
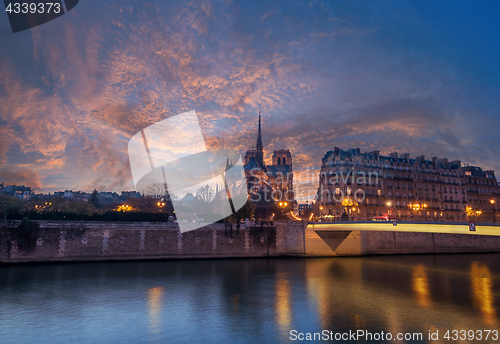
434 160
337 151
394 155
443 161
406 156
376 154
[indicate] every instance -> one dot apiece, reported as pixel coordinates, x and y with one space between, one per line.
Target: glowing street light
124 207
492 201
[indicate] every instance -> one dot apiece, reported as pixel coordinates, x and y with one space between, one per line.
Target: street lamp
478 212
389 210
492 201
425 211
161 205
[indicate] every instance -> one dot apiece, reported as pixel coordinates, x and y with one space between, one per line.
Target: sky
418 77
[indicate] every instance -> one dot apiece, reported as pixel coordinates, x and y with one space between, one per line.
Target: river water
252 300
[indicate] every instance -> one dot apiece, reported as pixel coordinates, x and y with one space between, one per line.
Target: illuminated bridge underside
364 238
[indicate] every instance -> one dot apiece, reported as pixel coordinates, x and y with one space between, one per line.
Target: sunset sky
421 77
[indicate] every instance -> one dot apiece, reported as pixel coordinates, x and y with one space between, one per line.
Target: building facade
369 186
274 180
19 191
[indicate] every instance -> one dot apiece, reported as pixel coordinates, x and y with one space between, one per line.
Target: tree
159 191
205 194
9 205
54 205
26 235
344 216
94 199
83 209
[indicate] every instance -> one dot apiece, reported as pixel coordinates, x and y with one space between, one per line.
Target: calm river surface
249 300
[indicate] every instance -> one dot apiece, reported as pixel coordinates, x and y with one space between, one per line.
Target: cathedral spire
259 156
259 146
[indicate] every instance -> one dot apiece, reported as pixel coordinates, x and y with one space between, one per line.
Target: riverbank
73 241
102 241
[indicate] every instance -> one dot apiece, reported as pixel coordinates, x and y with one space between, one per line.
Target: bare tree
159 191
156 191
205 194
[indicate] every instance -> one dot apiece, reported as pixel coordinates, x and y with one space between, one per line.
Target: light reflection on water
482 291
421 285
154 304
246 300
283 309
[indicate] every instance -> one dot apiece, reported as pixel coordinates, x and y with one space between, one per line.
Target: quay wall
341 241
88 241
102 241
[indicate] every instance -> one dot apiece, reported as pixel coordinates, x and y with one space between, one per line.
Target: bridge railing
389 218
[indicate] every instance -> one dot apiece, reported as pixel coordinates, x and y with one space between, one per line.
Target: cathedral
273 182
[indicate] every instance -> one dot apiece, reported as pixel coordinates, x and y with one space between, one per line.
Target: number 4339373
40 7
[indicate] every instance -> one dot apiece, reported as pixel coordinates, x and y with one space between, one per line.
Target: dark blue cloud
417 76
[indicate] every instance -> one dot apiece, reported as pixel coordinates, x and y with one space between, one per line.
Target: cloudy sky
409 76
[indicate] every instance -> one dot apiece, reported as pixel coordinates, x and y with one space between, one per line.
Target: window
379 192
